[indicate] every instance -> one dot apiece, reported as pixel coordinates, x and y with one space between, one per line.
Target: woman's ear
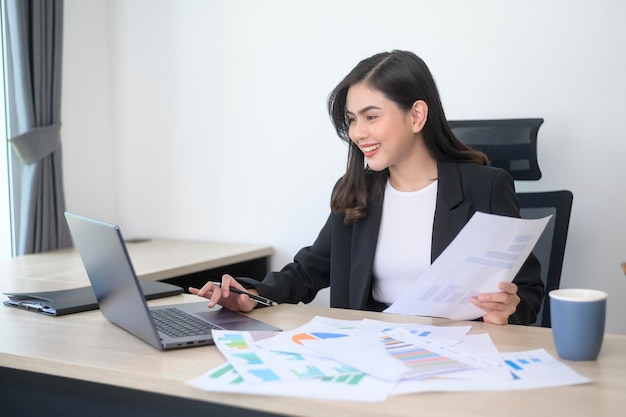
419 114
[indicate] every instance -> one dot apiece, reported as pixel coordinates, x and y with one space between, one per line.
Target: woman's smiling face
383 131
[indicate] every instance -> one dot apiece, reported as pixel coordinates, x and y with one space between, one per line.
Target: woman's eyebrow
364 109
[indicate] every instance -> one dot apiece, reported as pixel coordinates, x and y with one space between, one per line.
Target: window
5 200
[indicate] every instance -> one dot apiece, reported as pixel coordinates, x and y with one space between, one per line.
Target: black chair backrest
510 144
550 248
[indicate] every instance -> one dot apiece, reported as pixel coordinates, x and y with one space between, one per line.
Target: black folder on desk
75 300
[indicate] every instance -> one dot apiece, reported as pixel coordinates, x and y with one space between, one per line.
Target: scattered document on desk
293 340
452 334
255 364
369 360
529 370
355 387
394 354
490 249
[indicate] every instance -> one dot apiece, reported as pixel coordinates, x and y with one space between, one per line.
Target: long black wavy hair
403 78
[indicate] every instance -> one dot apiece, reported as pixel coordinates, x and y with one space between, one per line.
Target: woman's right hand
221 294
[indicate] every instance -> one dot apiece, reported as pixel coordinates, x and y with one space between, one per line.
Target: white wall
89 162
206 119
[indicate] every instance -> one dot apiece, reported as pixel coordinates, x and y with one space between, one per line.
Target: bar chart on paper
490 249
518 363
256 365
419 358
353 387
536 368
226 374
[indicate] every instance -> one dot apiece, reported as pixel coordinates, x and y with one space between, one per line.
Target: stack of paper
369 360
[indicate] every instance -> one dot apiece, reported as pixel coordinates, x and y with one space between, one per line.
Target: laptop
122 301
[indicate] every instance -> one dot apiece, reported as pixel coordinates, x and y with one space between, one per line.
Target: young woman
410 186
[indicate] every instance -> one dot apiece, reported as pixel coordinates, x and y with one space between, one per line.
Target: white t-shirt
404 241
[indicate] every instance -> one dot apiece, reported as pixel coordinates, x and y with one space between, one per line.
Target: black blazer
342 256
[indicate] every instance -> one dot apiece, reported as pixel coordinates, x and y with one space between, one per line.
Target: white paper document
370 360
527 370
256 365
351 387
397 353
490 249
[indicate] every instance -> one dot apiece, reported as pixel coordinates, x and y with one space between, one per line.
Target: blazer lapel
451 214
364 242
451 211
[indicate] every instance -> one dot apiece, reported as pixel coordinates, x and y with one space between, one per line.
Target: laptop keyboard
176 323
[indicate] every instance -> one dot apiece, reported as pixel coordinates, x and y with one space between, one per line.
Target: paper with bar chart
490 249
256 364
350 387
370 360
526 370
397 353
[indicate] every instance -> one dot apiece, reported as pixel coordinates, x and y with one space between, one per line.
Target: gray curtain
33 36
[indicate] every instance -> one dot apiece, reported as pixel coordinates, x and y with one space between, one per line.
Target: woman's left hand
498 305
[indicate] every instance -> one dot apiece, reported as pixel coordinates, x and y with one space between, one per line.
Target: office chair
550 248
511 144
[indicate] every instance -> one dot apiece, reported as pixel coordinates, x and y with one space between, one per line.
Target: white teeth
370 148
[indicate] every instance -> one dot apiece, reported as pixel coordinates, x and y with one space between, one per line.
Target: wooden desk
176 261
86 347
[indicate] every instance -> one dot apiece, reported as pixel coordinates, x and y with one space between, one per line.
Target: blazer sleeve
300 280
528 280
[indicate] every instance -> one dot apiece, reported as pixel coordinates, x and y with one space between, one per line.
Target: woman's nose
359 132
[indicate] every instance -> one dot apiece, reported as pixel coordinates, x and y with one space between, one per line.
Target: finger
216 295
508 287
494 307
207 289
494 297
490 307
485 306
227 282
496 318
493 315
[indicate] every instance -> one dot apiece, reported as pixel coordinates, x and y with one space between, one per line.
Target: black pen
257 298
